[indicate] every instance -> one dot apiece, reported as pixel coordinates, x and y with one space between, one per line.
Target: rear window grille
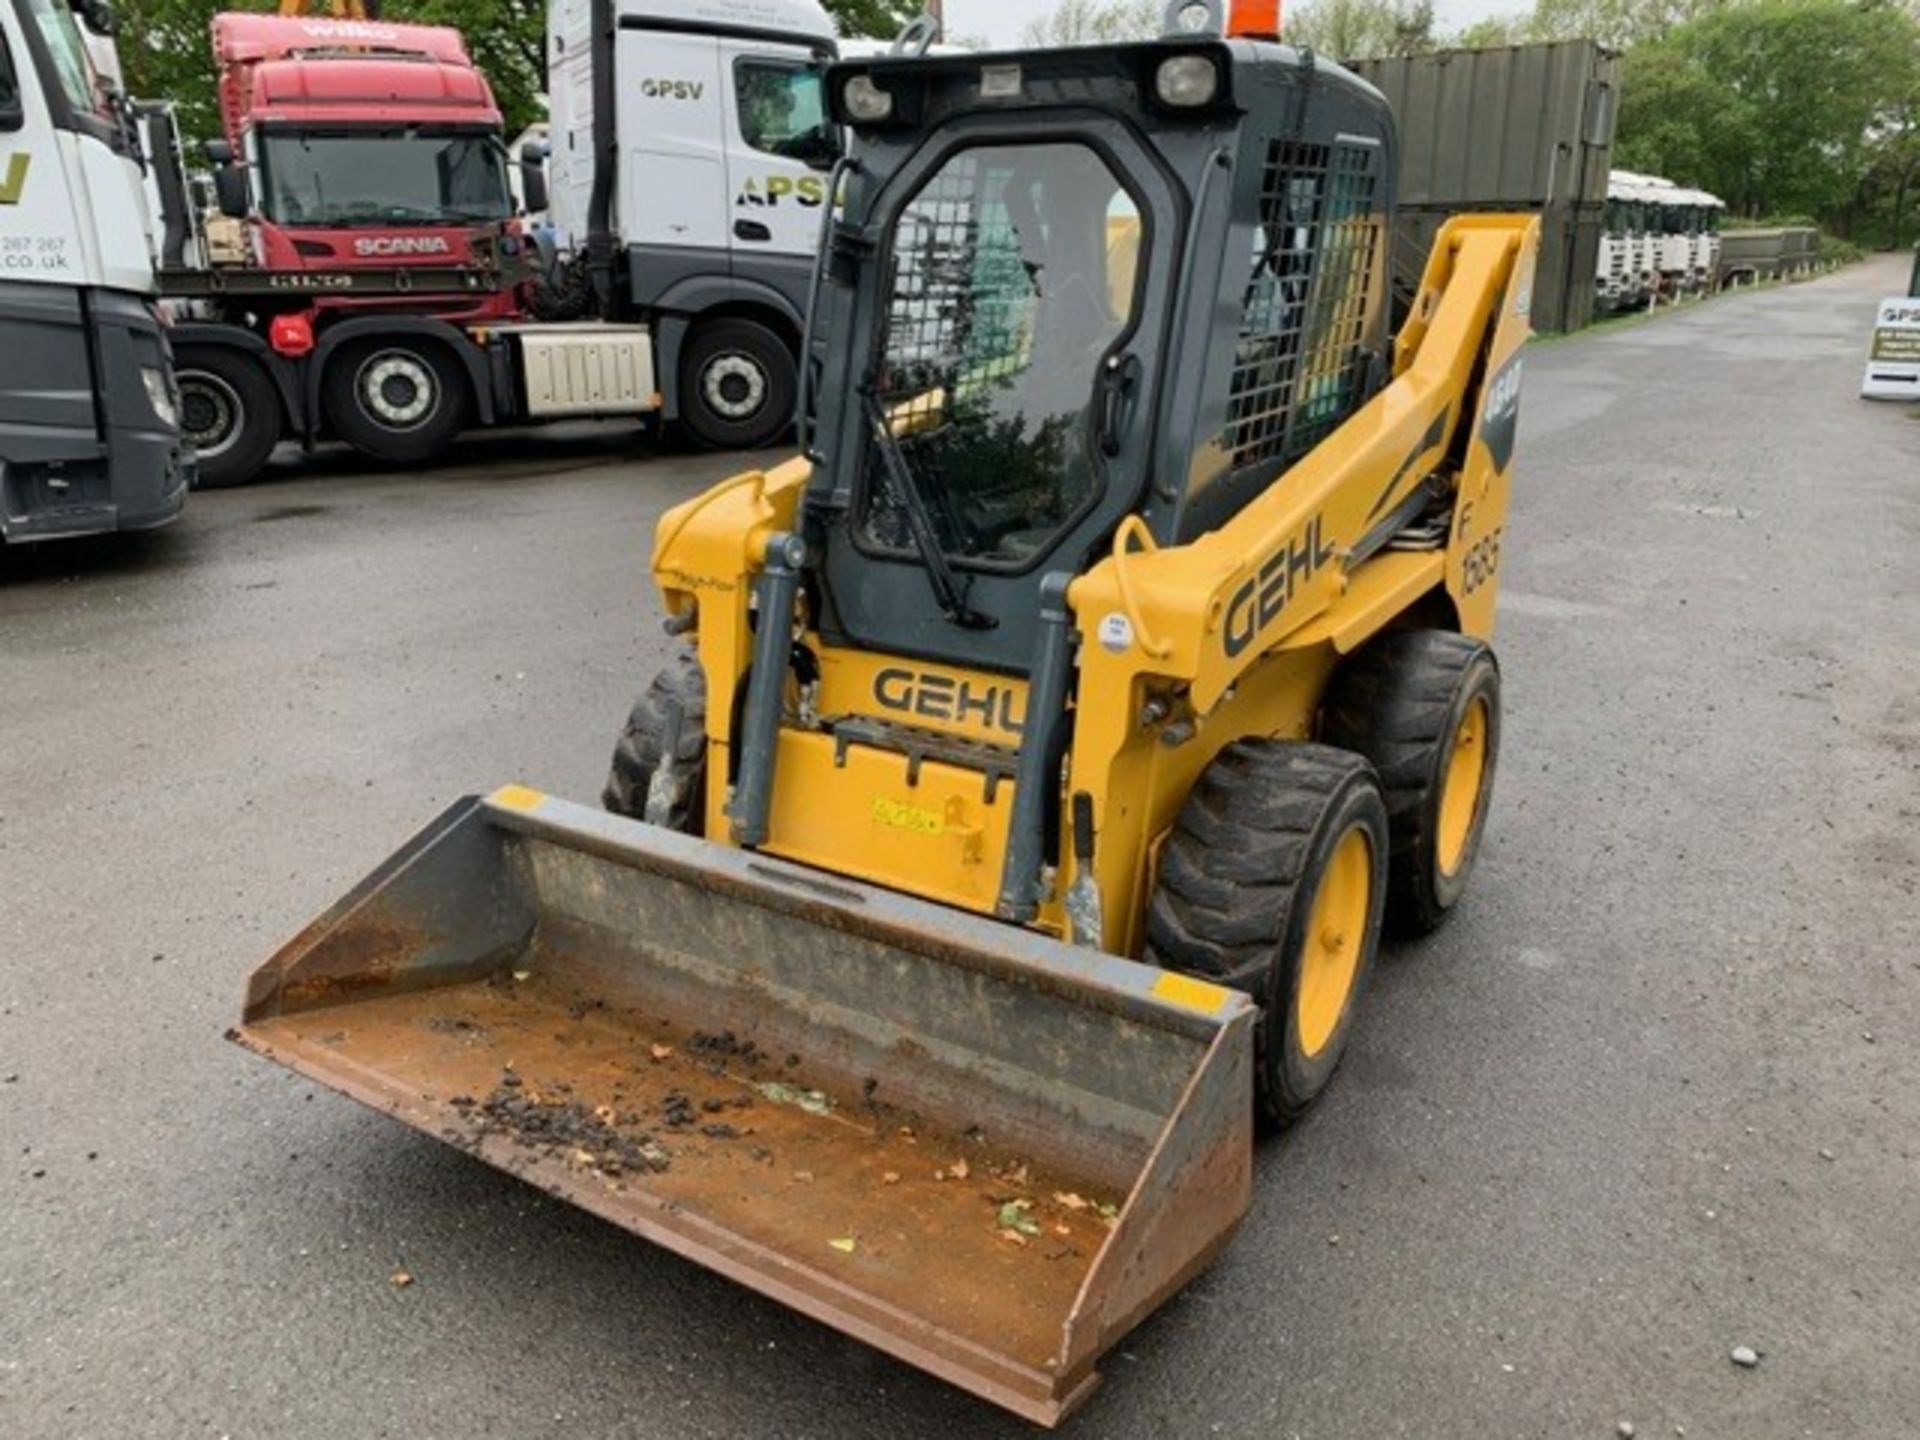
1299 360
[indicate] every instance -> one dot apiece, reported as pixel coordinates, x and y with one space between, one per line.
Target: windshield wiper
947 590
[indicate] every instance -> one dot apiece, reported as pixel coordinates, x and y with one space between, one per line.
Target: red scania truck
364 182
366 277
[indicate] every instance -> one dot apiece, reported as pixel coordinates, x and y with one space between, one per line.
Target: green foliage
1617 24
872 19
167 52
508 41
1772 104
1362 29
1807 106
165 48
1491 33
1093 22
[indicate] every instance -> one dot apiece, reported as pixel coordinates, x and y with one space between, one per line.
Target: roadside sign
1893 359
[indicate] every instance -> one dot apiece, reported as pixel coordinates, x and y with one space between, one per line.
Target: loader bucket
978 1149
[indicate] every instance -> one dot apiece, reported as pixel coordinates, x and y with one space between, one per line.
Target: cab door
780 146
673 169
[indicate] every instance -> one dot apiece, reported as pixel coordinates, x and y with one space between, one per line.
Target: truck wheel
669 720
1272 881
229 414
737 385
1424 707
401 401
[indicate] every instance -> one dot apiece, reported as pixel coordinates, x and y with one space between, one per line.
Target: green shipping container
1523 126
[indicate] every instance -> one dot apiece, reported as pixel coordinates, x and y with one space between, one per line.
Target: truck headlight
159 394
1187 81
866 101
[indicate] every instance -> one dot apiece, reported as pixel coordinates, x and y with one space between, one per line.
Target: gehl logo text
1264 595
942 697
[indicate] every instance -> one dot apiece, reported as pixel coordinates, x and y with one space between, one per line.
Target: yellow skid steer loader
1045 749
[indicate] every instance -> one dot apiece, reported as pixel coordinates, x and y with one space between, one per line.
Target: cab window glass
11 114
1005 296
72 71
782 109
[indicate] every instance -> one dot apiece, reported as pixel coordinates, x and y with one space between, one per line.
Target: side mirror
218 152
533 176
820 150
230 190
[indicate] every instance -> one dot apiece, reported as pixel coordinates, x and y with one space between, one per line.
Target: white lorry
89 432
1660 240
1686 235
690 156
1626 266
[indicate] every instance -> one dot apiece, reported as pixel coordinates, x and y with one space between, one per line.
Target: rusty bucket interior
974 1147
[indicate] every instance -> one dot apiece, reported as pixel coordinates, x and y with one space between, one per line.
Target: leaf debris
814 1102
1014 1216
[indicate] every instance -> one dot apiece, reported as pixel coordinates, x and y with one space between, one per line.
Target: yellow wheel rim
1460 790
1335 937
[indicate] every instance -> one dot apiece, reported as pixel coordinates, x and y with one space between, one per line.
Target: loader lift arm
1300 576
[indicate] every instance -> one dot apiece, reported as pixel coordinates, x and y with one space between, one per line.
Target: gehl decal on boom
1264 595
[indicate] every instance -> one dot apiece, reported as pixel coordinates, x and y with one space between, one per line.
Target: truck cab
389 296
366 144
706 122
89 435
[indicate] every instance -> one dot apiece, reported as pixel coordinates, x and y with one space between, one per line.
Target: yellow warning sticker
516 797
1191 994
903 816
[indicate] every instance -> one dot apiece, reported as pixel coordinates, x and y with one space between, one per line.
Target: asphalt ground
1651 1095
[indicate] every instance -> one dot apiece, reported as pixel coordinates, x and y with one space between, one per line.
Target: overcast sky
1001 21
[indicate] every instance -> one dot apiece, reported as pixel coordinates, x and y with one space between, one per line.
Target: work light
1186 81
865 100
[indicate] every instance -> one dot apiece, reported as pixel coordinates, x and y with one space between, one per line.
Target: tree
1491 33
1094 22
1771 104
1362 29
872 19
1617 24
166 51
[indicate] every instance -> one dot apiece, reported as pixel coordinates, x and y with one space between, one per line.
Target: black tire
401 401
562 293
229 412
1402 702
738 385
670 719
1236 892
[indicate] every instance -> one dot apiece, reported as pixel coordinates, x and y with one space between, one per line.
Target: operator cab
1069 286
